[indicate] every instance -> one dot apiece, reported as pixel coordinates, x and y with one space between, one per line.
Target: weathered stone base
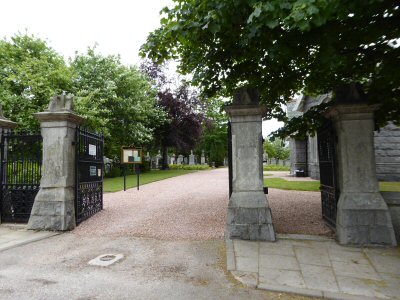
392 200
249 217
364 219
53 210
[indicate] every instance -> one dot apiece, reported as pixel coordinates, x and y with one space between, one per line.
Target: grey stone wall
298 155
387 145
392 200
387 153
312 157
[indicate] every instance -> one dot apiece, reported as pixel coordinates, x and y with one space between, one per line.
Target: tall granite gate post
54 204
362 215
249 215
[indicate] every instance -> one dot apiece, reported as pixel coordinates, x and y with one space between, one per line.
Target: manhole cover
105 260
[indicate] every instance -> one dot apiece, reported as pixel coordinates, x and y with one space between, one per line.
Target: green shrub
276 168
189 167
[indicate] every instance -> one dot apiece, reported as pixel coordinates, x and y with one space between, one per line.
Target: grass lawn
276 168
389 186
117 184
280 183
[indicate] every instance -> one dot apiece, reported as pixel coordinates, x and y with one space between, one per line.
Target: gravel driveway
193 207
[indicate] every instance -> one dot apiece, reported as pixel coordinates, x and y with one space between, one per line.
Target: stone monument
249 215
180 159
53 208
202 158
191 158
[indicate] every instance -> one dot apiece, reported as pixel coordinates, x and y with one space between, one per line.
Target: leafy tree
115 99
214 140
277 149
183 126
31 73
286 46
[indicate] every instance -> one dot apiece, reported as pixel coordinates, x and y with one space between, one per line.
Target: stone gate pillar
249 216
53 208
362 214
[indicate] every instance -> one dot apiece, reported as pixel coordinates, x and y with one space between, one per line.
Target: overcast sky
117 27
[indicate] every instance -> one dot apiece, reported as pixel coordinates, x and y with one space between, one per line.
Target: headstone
185 160
147 158
203 158
225 161
265 157
180 159
158 159
191 158
172 159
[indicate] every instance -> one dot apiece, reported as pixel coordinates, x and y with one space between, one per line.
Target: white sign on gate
92 149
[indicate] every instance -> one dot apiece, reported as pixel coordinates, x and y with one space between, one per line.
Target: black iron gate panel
89 174
328 173
20 174
230 157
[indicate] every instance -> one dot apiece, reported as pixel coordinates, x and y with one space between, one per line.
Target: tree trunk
164 165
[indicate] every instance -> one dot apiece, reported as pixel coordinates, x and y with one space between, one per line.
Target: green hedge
189 167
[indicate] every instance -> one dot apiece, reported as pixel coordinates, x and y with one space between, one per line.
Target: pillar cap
59 116
7 124
246 110
341 110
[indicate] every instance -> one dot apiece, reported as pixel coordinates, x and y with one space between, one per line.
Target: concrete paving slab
245 248
319 278
323 268
392 285
246 264
278 248
282 277
312 256
278 262
362 286
349 257
385 263
355 270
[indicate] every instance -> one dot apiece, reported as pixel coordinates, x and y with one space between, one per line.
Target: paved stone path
319 268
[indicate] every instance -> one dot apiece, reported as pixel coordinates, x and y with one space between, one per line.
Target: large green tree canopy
284 47
116 99
31 73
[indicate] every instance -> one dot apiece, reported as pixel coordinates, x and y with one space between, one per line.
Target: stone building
304 153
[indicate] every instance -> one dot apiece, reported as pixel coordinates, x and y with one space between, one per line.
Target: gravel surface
193 207
187 207
297 212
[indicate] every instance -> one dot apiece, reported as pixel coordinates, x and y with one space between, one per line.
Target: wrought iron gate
89 174
230 157
20 173
328 173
